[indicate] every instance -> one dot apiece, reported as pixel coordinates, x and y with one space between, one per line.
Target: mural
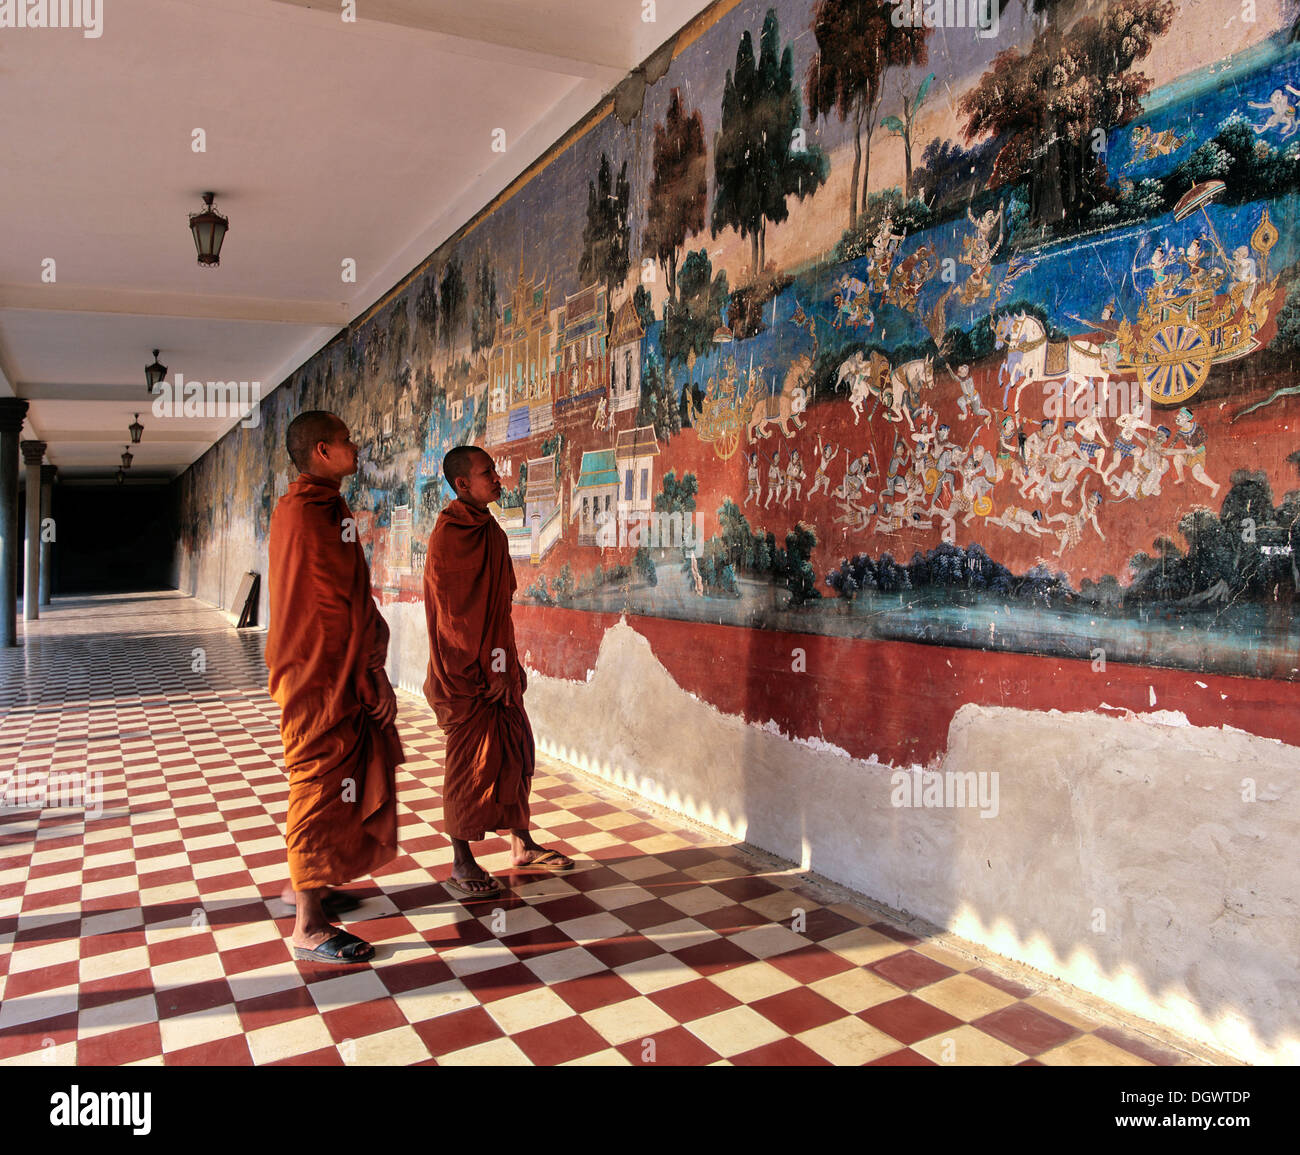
872 328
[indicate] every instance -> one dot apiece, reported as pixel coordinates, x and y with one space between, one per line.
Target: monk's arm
378 698
314 587
376 634
456 607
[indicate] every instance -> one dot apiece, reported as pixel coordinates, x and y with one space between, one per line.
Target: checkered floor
153 932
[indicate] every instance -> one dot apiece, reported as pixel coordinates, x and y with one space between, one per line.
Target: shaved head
459 462
306 431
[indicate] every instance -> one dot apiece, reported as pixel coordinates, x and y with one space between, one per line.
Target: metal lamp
209 228
155 372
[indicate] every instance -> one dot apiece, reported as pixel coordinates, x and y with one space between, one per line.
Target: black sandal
343 948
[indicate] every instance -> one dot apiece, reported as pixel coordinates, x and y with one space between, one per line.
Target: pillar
12 412
47 547
33 454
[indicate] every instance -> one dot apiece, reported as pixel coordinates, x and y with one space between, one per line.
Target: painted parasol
1197 197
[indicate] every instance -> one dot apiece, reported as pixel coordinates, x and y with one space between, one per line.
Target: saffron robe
324 640
469 582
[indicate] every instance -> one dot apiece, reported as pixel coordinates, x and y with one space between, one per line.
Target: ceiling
325 140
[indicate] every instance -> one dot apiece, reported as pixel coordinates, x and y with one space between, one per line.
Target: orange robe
324 639
468 585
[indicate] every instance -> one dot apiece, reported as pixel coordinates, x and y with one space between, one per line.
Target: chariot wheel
727 442
1176 362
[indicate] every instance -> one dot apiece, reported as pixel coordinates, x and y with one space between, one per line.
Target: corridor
149 930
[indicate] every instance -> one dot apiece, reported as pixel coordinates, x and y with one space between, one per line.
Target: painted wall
891 418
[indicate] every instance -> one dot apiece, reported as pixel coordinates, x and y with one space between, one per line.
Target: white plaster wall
408 645
215 574
1122 857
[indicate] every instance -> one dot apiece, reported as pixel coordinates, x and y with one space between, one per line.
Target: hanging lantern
135 429
127 457
209 228
121 477
155 372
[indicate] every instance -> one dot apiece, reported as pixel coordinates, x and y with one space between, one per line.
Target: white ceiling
325 140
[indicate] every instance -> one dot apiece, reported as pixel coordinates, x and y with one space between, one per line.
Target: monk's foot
314 937
470 878
476 885
539 858
331 945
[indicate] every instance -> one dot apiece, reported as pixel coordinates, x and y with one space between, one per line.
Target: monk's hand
384 711
497 690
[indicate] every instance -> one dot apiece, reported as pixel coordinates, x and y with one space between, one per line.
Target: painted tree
644 306
679 187
857 41
657 407
949 176
451 303
1054 101
677 496
644 564
374 337
694 313
483 318
426 315
398 344
759 157
793 566
606 238
902 127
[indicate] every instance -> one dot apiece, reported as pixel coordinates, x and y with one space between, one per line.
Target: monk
325 647
475 682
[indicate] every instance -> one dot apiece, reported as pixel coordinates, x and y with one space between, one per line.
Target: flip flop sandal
343 948
542 864
459 887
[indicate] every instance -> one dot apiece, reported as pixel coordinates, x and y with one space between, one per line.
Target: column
47 547
33 454
12 412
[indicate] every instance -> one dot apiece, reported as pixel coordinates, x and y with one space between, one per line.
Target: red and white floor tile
153 933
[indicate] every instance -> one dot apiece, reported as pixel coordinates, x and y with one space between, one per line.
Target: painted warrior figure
775 478
969 403
1282 113
978 251
821 479
794 475
1186 449
1073 524
755 486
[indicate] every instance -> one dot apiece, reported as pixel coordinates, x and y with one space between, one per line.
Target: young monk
325 647
475 682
